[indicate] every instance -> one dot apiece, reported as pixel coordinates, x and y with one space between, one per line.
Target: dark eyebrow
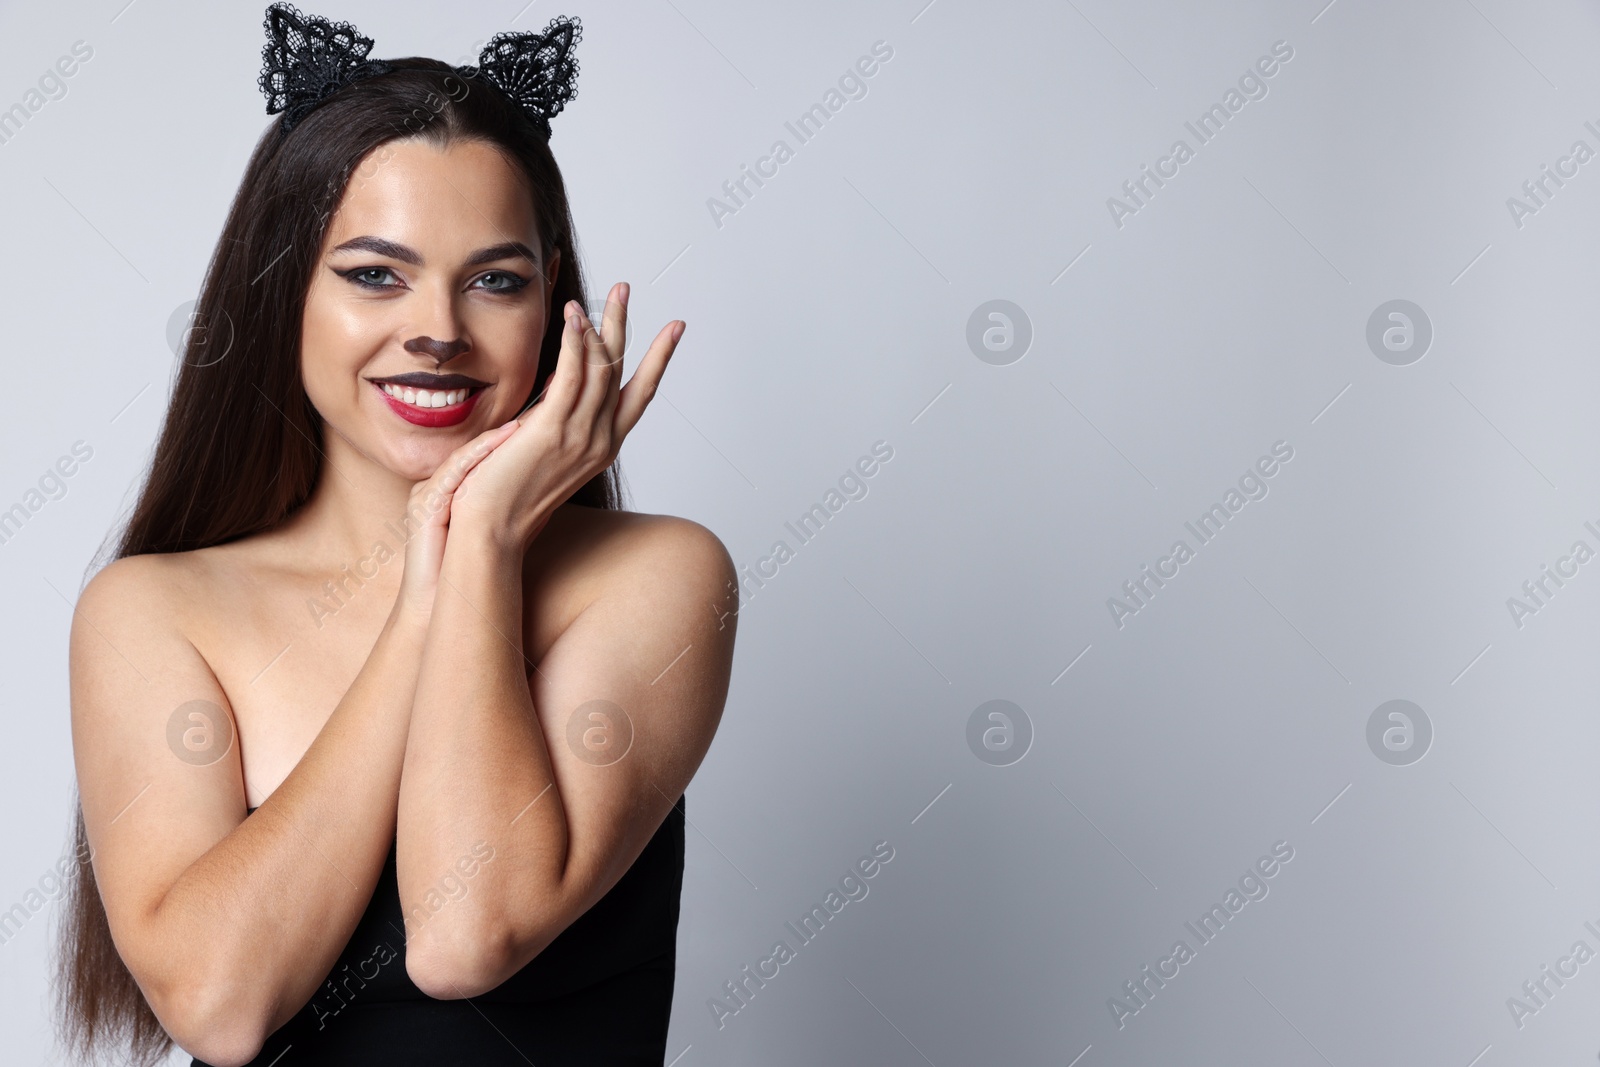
384 247
509 250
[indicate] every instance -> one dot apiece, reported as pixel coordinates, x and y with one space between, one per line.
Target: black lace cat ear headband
308 58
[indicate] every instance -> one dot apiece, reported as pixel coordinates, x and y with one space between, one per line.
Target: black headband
308 58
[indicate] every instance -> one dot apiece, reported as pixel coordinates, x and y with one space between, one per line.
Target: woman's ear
552 269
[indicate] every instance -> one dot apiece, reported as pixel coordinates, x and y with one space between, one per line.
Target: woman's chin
418 462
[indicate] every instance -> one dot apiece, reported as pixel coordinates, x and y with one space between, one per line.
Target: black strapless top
601 993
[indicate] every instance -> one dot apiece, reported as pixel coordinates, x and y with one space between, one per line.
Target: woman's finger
447 477
598 370
642 386
561 389
616 338
614 321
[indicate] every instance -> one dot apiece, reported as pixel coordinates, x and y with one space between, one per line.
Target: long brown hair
241 447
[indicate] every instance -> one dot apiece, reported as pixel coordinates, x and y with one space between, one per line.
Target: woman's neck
356 504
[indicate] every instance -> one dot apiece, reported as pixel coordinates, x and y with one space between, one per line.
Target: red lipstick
445 416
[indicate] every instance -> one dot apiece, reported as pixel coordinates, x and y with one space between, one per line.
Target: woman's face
427 305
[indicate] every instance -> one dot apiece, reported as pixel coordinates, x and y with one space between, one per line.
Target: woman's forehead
464 193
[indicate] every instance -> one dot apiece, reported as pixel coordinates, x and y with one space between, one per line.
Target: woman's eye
371 277
499 281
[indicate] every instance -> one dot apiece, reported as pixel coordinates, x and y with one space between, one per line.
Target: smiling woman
372 289
411 353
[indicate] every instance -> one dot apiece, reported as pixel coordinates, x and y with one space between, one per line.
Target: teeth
426 398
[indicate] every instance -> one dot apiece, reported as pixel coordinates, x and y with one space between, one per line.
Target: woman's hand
428 517
572 434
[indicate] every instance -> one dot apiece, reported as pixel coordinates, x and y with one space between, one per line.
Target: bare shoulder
146 590
130 633
665 569
172 623
164 589
611 549
680 553
133 672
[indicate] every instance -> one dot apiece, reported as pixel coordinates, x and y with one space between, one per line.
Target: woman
383 714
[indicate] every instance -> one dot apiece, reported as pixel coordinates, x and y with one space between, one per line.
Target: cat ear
306 58
536 70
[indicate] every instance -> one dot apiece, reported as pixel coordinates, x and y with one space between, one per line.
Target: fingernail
622 296
677 332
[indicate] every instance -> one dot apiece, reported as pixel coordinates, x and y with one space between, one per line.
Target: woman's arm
227 923
515 767
565 793
230 923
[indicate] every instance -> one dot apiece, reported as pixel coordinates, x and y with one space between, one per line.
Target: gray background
831 312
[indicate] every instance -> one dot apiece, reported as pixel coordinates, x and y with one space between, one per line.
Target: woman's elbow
457 963
222 1050
217 1025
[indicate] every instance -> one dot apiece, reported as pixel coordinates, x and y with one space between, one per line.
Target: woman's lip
419 380
446 416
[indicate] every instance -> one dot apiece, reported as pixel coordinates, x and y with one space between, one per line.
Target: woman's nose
441 351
